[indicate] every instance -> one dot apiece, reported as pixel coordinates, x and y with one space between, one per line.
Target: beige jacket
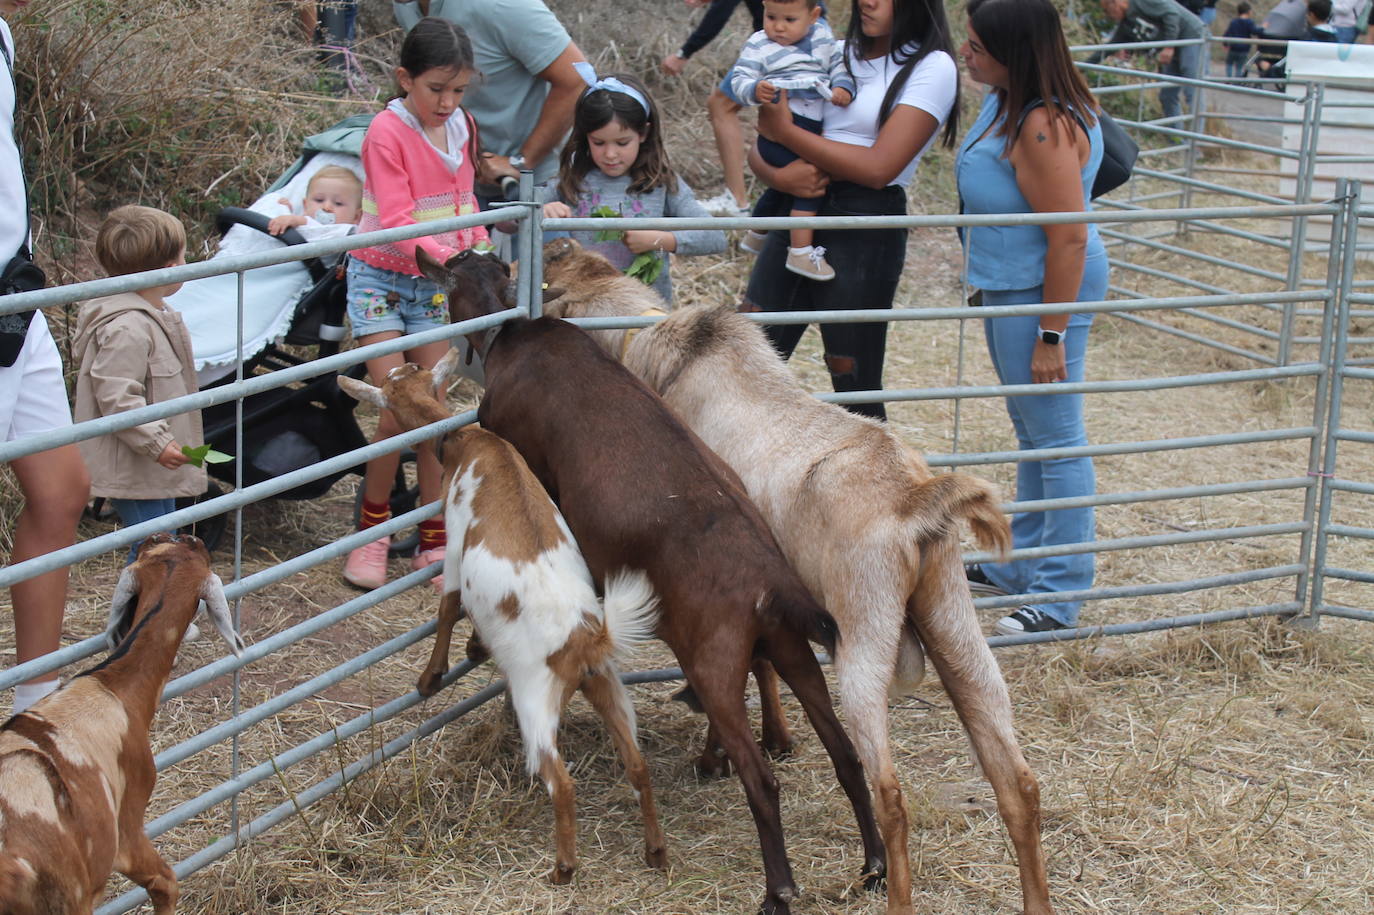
132 354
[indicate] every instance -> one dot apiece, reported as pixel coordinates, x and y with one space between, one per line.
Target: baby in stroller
334 196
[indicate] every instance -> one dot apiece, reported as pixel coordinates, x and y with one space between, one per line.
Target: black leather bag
1119 153
20 275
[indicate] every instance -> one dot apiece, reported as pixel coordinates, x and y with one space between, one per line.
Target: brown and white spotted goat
76 770
871 531
512 565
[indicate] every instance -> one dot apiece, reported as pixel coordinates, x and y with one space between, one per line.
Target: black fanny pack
20 274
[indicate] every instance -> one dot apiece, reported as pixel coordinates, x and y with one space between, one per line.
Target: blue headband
610 84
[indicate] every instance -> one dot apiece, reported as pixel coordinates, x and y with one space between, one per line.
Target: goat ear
361 391
445 369
436 272
212 592
553 292
122 607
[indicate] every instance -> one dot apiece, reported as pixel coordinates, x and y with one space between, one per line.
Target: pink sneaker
366 565
428 558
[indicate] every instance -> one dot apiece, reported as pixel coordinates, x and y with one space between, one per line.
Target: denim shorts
381 300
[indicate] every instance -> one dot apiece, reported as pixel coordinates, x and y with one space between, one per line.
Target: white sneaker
810 262
723 204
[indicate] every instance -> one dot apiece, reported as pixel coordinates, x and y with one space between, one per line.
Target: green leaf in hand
645 267
605 212
204 454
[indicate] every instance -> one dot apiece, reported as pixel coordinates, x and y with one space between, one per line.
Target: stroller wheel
210 530
405 495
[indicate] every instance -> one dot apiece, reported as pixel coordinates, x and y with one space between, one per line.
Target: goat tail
631 610
937 503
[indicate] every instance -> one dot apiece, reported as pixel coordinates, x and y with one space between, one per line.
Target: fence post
1302 193
1348 192
1197 124
1315 498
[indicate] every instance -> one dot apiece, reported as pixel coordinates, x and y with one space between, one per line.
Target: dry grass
1216 770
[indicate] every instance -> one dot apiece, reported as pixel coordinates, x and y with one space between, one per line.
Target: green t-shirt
512 41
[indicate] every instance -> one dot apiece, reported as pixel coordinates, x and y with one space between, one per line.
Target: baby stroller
297 304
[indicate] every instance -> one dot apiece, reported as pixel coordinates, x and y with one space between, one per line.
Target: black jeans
868 264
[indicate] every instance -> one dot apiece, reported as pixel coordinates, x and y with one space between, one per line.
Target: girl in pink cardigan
419 155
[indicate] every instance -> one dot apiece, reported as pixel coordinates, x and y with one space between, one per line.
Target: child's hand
765 92
171 456
641 240
557 209
280 224
841 97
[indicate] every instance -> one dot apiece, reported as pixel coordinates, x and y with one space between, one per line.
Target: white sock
802 251
26 694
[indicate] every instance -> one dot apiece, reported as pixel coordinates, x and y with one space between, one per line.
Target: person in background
1319 26
1240 26
1345 18
1160 20
1035 147
1208 13
133 350
722 107
419 155
33 400
523 99
900 55
615 158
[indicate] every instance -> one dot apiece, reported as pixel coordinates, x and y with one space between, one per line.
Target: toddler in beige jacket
135 350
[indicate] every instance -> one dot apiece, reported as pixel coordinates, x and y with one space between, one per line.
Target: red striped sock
432 536
373 513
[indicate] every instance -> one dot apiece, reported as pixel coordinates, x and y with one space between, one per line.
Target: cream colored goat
76 770
514 567
857 512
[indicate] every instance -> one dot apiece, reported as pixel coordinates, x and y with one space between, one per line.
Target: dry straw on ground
1216 770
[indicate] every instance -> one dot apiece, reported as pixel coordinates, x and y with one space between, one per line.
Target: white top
12 203
931 88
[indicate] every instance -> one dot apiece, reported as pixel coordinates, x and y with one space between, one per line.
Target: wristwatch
1052 337
517 162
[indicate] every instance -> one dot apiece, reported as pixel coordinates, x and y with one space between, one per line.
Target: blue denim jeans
1047 421
136 511
1187 62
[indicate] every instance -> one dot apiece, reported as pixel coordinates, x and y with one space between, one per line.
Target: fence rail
1204 298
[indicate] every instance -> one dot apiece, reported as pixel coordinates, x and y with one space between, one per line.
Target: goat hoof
428 684
777 749
656 857
779 903
875 880
709 765
562 874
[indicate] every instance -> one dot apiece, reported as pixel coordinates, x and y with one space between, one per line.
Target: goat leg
794 661
943 612
559 783
146 868
450 612
607 695
777 737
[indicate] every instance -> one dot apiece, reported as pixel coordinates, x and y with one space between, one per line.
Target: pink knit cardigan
408 183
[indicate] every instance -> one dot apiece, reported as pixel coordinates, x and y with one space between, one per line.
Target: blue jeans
1047 421
1235 63
1187 61
136 511
1346 34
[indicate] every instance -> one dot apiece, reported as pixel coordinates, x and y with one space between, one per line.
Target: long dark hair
597 108
1025 37
436 44
921 24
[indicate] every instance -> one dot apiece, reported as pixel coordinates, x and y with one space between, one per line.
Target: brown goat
641 492
76 770
868 527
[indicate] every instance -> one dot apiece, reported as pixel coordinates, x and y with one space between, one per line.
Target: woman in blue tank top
1035 147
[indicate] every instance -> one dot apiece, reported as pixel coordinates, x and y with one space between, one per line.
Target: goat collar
484 342
631 331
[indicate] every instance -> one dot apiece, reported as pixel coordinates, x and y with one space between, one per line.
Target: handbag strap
23 251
